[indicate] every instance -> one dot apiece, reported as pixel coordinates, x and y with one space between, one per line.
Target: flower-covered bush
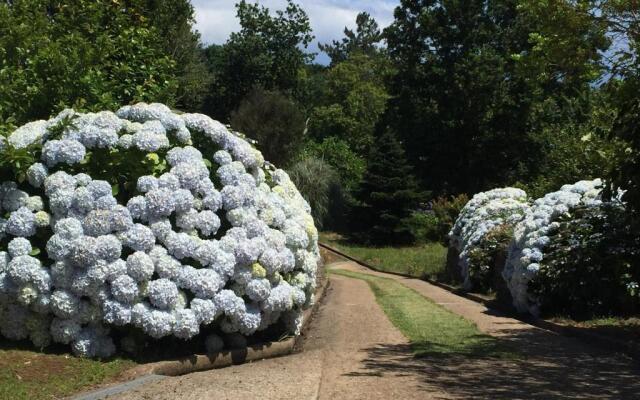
147 220
532 236
484 213
590 267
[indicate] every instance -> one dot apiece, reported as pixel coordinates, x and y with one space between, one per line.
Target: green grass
620 328
427 260
31 375
432 330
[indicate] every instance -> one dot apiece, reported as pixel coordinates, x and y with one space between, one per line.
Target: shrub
274 121
424 226
532 237
485 259
337 154
446 210
487 211
319 185
590 265
146 220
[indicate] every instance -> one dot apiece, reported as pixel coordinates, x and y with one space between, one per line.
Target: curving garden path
353 352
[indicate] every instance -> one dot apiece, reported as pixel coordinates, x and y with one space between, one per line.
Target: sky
216 19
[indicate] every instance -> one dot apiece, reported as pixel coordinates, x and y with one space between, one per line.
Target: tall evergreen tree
388 193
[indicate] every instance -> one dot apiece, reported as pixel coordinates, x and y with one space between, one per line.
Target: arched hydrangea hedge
150 220
567 252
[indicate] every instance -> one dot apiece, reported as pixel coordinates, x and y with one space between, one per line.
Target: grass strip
425 260
431 329
31 375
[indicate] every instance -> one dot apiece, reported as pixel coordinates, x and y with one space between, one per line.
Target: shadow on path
550 367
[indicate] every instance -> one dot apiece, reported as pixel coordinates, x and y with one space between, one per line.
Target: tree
469 75
85 54
364 40
624 22
354 99
266 53
275 122
387 195
174 20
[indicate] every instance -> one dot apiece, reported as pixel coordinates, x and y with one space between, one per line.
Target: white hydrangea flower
36 174
140 266
19 247
163 294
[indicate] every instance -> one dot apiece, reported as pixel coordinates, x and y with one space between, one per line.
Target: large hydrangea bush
147 219
534 233
482 215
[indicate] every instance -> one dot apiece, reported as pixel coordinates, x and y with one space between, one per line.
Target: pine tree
387 195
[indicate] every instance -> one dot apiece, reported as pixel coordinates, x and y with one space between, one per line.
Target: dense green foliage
95 55
591 266
363 41
470 75
446 211
487 258
267 53
336 152
624 22
274 121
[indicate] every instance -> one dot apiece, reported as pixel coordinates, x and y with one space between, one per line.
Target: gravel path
353 352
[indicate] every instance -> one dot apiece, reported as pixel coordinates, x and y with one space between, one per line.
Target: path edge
601 341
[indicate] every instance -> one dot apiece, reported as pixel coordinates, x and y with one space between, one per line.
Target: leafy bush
590 267
573 141
424 226
274 121
319 185
89 54
337 153
485 258
446 210
115 229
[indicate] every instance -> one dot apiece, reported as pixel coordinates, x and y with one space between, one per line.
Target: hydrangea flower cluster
220 238
484 212
531 236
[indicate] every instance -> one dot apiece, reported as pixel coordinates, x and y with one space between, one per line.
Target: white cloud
216 19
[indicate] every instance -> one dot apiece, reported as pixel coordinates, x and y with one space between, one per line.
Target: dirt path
554 366
353 352
334 364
